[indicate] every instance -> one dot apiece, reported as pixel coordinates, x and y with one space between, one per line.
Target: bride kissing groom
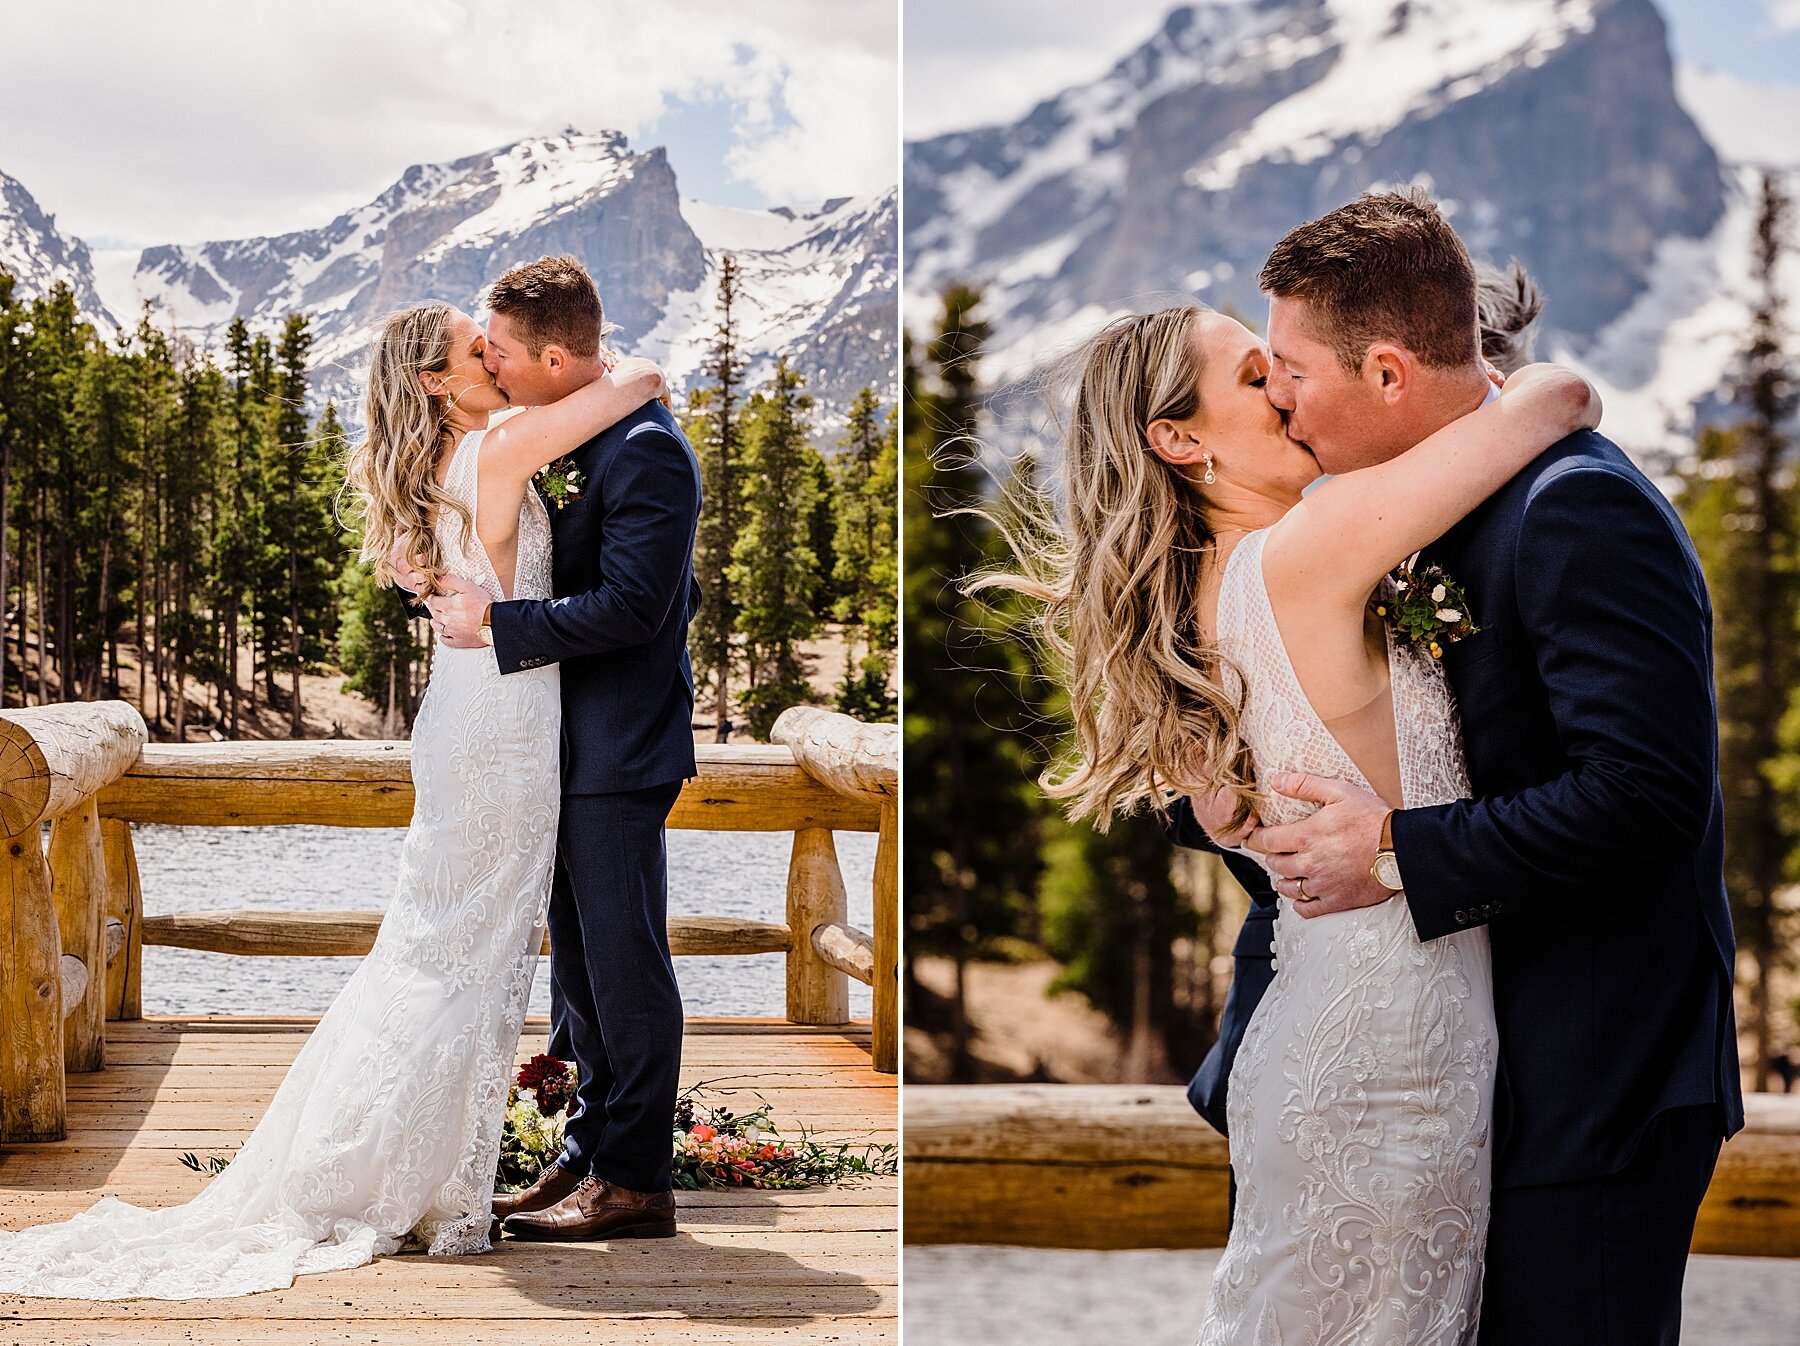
551 743
1457 700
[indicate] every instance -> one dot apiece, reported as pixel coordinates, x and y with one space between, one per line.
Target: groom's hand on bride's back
1323 861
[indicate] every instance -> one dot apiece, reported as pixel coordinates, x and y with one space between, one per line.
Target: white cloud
1786 13
971 65
190 120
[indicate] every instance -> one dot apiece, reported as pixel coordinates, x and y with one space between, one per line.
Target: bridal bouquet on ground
714 1146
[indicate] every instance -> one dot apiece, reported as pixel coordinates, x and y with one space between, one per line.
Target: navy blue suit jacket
1594 846
624 593
1253 965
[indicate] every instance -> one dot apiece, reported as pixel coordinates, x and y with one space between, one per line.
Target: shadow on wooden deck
747 1267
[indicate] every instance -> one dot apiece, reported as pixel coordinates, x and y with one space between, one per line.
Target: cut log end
52 758
74 983
861 761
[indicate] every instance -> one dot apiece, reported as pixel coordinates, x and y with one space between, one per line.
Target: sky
192 120
977 62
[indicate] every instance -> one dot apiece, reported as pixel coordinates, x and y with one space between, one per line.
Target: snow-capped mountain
819 284
1551 130
37 256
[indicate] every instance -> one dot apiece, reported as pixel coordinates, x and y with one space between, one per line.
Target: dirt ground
1021 1032
328 711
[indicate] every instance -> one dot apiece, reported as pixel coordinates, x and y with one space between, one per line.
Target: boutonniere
1428 608
560 482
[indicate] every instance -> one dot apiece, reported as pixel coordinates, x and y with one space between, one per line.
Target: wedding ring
1300 891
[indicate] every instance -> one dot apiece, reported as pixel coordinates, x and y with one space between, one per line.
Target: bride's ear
433 384
1174 445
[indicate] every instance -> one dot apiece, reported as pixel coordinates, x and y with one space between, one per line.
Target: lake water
354 869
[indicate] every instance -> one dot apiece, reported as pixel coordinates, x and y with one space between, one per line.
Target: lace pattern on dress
385 1134
1359 1102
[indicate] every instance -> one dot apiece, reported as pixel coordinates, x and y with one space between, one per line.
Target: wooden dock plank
816 1265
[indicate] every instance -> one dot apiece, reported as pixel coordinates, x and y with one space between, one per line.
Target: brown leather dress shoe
598 1209
552 1185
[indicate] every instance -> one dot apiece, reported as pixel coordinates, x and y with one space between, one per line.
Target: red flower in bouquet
551 1083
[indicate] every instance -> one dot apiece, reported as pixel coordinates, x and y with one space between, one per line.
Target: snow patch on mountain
803 270
1747 122
533 181
1390 62
39 257
1666 363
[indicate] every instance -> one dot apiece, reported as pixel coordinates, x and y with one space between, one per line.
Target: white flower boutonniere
559 482
1428 609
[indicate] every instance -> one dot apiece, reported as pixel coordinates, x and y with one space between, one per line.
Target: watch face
1387 870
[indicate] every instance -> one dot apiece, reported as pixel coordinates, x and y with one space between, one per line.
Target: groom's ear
1389 370
555 358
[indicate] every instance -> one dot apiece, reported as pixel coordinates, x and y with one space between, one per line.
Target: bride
385 1134
1217 628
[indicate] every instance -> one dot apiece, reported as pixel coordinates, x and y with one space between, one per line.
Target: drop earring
1210 476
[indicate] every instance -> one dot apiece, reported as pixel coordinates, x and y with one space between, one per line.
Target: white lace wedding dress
385 1134
1359 1102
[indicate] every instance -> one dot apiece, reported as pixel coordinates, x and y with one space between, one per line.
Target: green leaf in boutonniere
560 482
1428 609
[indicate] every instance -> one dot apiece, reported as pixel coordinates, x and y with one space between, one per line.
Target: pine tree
866 537
714 427
11 375
1742 506
186 532
971 862
155 375
377 643
239 540
303 481
104 418
774 572
1111 913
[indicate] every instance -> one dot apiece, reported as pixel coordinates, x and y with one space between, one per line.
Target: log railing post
53 760
884 1031
124 904
859 761
817 993
78 889
33 1100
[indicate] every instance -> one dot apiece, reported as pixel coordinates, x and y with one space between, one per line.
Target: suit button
1462 918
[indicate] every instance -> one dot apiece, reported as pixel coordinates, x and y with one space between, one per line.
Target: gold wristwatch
487 630
1386 869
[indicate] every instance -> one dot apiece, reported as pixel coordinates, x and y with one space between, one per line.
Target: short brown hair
553 302
1385 267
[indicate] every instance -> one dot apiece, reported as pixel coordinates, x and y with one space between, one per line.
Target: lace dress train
385 1133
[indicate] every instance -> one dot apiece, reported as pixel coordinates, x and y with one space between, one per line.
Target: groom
625 592
1593 849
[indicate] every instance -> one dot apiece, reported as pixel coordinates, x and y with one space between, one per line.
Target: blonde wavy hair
391 474
1119 574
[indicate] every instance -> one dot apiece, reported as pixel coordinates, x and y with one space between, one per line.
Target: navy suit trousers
615 1007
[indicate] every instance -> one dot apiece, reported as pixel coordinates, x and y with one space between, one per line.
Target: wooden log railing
73 929
1131 1166
861 764
56 932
